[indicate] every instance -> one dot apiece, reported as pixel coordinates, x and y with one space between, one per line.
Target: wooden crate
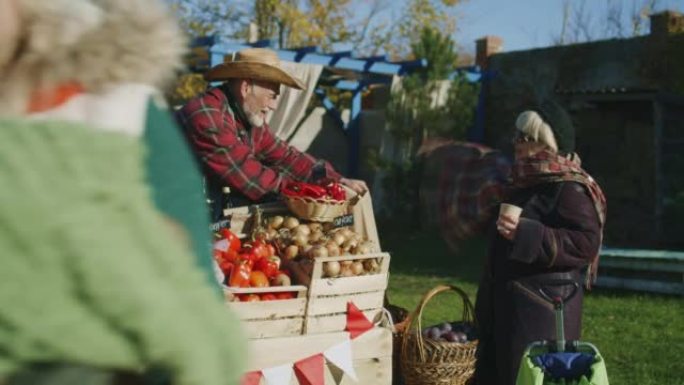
372 355
241 218
328 297
268 319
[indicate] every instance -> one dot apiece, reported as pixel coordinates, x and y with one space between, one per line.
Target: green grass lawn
641 336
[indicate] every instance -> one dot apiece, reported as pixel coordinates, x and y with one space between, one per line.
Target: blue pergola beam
407 66
316 58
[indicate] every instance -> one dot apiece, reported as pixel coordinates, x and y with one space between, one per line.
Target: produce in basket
451 332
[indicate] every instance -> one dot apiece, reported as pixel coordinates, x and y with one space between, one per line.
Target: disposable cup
511 211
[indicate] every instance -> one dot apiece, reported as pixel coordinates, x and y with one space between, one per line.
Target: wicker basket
319 210
428 361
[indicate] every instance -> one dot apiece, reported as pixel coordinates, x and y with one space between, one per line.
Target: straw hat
254 63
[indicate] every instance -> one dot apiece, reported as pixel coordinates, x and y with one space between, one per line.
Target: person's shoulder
212 98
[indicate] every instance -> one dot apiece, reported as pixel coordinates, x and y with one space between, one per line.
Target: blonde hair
532 125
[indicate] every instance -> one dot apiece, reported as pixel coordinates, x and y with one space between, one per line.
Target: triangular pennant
341 356
251 378
309 371
279 375
221 245
357 323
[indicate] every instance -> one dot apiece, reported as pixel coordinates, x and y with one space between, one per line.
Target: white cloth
122 108
292 103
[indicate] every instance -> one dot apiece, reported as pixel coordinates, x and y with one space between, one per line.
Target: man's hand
507 226
357 185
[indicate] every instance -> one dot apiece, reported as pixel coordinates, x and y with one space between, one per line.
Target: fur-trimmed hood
97 43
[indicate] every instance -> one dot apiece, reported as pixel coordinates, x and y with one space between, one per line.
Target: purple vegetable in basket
434 333
445 327
451 336
461 337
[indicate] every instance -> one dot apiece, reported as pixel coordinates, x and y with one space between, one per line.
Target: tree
581 25
207 17
419 109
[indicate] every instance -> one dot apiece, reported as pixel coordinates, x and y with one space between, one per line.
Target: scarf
548 167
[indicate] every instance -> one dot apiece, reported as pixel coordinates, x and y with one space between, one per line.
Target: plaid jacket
249 159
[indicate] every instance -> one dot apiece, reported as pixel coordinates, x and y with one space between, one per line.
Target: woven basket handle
415 318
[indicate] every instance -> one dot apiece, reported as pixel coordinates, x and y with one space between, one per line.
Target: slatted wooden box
328 297
274 318
371 354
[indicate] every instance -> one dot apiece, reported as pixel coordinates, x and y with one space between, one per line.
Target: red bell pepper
336 191
233 240
239 275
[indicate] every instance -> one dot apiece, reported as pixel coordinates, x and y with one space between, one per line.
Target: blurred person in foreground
557 236
228 130
95 285
102 63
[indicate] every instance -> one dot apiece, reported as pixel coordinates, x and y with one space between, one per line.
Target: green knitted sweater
89 271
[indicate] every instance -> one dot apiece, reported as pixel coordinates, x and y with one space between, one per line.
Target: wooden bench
657 271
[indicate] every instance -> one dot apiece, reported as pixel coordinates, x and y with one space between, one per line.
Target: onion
357 268
371 265
275 222
333 249
363 248
339 238
315 226
345 271
331 269
349 244
346 263
291 252
302 229
300 240
315 236
306 251
290 223
271 233
319 252
346 232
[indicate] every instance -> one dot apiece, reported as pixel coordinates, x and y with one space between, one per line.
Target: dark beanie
558 119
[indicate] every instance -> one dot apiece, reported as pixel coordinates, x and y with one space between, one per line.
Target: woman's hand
357 185
507 226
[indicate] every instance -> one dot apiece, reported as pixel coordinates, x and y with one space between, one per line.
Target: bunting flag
309 371
357 323
340 355
278 375
251 378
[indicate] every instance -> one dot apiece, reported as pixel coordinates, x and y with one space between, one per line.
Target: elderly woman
557 236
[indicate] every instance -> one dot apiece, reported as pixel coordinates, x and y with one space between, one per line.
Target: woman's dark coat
557 237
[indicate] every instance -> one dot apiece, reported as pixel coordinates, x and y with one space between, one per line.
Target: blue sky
526 24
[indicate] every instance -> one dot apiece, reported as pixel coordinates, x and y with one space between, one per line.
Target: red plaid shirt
250 159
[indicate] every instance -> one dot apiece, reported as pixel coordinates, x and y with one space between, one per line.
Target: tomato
269 265
258 279
233 240
250 297
268 297
284 295
260 249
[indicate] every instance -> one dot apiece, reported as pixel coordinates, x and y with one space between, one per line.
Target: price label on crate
343 220
222 224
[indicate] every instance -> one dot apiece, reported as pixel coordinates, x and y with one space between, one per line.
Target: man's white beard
256 120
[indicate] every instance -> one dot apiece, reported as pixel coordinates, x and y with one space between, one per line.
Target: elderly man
228 130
